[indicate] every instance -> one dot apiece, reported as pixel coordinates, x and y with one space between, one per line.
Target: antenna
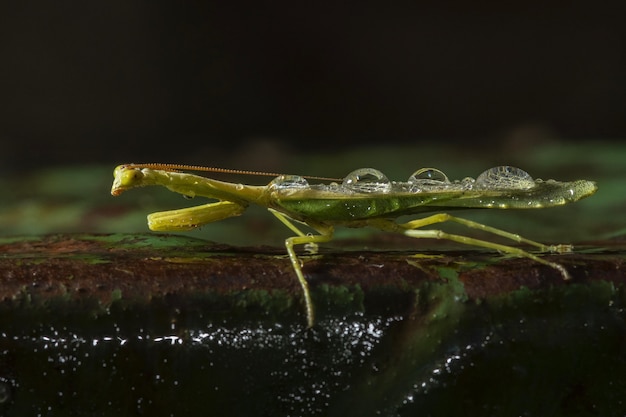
183 167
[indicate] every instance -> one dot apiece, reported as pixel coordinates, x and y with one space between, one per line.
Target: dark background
120 81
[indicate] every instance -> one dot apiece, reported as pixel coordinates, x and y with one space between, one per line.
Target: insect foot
561 248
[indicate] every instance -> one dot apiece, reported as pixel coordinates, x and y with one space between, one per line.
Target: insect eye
428 174
505 177
128 177
367 180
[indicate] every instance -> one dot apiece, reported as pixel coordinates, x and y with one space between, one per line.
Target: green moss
116 295
272 302
339 298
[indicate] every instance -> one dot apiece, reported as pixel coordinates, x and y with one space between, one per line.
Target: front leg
192 217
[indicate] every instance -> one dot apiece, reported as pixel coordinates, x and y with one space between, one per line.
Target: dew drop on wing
289 182
367 180
504 177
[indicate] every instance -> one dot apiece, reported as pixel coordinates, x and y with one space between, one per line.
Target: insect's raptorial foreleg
411 230
191 217
326 234
444 217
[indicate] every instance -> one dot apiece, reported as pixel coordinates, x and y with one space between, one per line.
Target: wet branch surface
148 267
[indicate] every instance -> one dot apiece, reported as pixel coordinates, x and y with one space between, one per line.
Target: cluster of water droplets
372 181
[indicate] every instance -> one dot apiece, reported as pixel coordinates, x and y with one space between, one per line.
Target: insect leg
444 217
310 247
326 234
410 229
192 217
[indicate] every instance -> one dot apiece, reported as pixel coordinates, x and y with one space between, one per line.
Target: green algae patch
339 299
155 241
557 299
116 295
273 303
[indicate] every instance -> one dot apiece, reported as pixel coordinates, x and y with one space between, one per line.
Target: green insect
365 197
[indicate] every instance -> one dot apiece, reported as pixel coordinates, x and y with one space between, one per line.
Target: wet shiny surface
137 370
529 353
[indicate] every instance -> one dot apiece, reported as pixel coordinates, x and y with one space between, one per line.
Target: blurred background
201 81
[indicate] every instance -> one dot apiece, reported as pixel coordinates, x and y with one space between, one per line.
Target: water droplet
428 175
289 182
367 180
505 177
